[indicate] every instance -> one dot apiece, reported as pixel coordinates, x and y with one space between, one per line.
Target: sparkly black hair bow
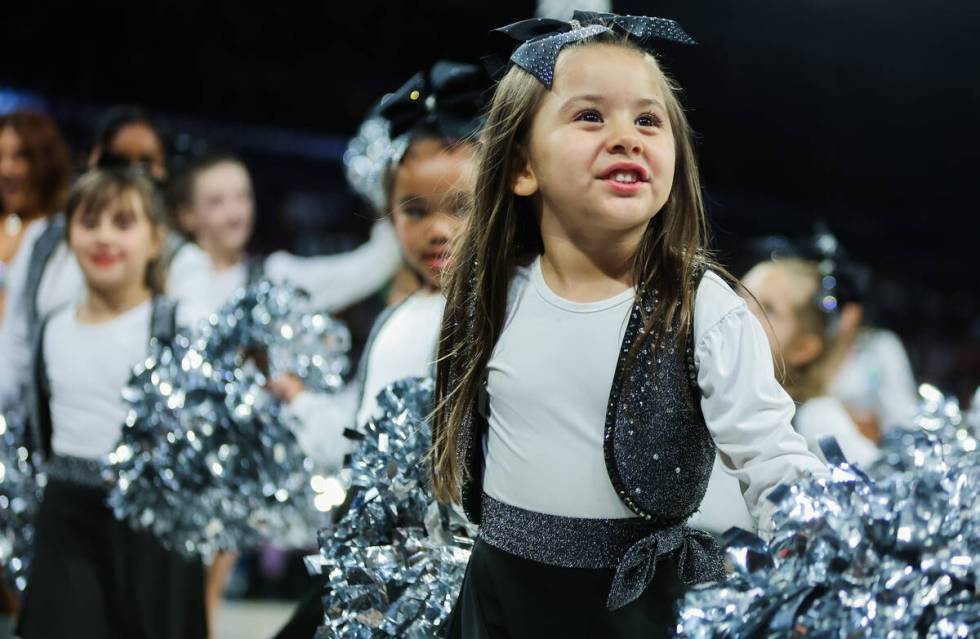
534 44
842 281
448 98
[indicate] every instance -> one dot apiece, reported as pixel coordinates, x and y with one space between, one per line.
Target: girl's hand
286 387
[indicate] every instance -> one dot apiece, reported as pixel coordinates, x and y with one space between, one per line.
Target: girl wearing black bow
592 359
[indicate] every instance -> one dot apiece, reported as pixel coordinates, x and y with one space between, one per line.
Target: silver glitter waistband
77 470
632 546
569 542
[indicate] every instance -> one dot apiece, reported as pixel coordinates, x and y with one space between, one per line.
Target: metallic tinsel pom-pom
891 553
395 561
21 487
367 158
207 460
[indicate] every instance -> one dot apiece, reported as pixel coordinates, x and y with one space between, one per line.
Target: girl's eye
414 212
648 119
124 221
588 116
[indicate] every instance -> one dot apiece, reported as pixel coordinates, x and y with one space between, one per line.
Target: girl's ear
525 181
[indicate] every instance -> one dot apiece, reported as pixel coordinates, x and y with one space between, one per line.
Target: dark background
861 113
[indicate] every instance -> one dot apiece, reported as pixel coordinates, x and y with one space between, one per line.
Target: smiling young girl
92 575
591 360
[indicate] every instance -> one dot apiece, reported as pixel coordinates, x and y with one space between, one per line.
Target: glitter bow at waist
630 546
77 470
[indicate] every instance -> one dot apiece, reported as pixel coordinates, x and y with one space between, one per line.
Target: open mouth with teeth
625 177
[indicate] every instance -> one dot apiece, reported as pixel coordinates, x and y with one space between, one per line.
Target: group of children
605 390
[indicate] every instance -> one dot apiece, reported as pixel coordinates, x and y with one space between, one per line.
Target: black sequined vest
659 453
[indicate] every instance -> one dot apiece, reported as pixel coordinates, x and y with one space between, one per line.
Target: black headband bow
449 97
534 44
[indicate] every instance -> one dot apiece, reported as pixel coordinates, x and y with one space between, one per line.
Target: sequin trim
570 542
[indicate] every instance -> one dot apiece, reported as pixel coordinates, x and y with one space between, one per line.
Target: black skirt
507 597
94 577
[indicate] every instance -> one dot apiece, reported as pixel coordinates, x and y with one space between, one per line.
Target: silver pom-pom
388 576
892 554
208 460
367 158
21 487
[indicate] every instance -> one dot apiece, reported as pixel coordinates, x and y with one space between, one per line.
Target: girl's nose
441 229
623 138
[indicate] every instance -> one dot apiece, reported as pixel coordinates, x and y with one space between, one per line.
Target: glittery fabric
539 41
632 546
659 452
448 98
894 552
659 455
391 573
77 470
21 487
207 459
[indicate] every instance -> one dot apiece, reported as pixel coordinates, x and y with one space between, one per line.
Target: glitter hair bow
449 98
534 44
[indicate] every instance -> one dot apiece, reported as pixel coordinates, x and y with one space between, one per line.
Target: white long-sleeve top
826 417
549 380
62 284
87 366
334 282
405 346
876 380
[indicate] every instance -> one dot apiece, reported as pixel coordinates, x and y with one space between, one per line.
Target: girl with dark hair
127 135
35 170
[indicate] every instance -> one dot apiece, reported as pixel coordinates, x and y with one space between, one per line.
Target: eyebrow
642 102
411 198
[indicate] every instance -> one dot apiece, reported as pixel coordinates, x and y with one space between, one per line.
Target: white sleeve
897 399
15 348
826 416
337 281
322 419
746 410
188 278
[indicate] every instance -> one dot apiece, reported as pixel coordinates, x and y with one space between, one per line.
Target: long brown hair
99 189
47 154
502 234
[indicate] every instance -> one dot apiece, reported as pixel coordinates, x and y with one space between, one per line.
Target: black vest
658 450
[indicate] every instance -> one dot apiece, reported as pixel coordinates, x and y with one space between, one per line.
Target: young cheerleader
34 177
45 275
589 364
92 575
127 135
215 206
427 189
802 321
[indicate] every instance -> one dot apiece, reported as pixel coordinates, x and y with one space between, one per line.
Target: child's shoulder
714 301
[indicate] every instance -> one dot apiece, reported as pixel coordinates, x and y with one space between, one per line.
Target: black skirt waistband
76 470
632 546
570 542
